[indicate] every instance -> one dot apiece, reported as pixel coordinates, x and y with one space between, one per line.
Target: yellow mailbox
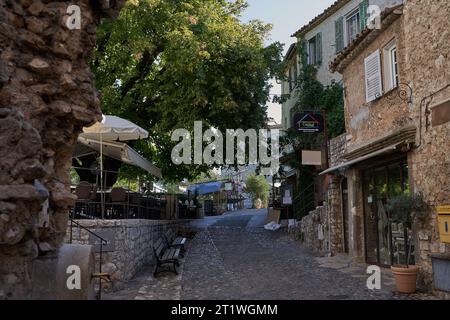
444 223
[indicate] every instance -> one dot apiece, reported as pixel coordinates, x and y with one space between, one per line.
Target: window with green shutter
363 7
305 51
339 33
319 48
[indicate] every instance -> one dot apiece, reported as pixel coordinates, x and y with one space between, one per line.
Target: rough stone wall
309 230
337 148
46 96
133 241
366 121
335 213
427 38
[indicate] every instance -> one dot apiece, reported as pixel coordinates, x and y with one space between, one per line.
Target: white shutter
374 87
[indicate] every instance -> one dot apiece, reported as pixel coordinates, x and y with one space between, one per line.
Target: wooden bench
175 242
165 255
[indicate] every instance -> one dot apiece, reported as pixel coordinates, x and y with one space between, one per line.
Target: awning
206 188
118 151
360 159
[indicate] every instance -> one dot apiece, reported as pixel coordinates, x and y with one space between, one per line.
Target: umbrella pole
102 194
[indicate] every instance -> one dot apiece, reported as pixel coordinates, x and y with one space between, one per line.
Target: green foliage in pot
407 209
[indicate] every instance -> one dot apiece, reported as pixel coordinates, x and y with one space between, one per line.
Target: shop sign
311 158
308 122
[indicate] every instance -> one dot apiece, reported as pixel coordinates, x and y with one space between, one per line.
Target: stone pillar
47 95
356 215
336 215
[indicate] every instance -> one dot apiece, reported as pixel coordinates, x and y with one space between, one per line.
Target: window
349 26
312 51
394 67
390 66
352 24
293 75
374 87
295 72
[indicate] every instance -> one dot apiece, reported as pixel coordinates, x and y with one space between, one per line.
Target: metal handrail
102 242
302 193
311 186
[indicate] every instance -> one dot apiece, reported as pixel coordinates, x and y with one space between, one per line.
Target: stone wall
46 96
131 247
367 121
308 228
427 38
337 148
336 215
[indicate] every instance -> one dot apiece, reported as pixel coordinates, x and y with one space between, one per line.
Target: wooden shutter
363 7
305 52
374 88
319 48
291 82
295 70
339 33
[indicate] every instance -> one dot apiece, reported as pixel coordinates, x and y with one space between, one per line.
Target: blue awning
205 188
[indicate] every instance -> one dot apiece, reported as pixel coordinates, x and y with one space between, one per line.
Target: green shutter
339 33
363 7
319 48
304 59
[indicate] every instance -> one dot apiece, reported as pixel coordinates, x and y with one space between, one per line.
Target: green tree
164 64
258 188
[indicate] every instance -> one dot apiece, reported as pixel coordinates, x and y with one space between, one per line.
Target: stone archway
47 95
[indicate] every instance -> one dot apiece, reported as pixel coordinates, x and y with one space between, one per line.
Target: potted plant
406 209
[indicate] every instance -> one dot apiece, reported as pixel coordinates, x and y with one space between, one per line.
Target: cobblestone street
233 257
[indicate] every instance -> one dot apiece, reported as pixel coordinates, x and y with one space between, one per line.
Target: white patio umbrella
112 128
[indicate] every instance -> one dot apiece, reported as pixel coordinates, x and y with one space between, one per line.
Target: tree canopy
258 188
164 64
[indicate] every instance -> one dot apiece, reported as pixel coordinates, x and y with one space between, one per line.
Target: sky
286 16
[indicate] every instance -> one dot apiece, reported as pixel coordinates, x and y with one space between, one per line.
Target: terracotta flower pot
405 278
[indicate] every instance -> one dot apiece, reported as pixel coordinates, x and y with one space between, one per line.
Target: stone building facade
398 131
323 38
47 95
427 38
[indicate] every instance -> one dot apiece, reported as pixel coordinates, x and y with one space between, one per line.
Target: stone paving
233 257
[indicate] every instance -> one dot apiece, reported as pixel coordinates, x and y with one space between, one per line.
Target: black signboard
308 122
